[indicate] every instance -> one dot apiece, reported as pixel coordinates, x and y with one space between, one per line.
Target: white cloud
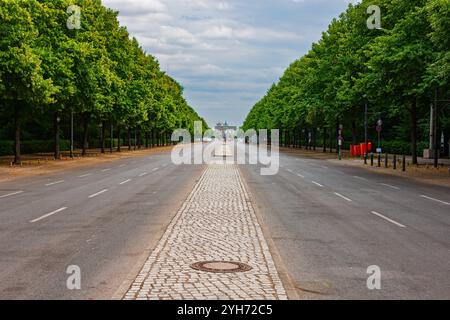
226 54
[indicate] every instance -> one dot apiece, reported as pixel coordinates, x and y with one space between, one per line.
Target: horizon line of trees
95 71
397 71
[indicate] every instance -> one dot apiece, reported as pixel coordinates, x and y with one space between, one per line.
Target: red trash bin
363 148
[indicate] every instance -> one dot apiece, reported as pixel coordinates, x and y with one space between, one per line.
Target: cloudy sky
226 53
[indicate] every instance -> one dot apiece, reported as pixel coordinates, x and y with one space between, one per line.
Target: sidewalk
216 224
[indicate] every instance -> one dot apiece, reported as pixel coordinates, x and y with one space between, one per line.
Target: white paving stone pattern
216 223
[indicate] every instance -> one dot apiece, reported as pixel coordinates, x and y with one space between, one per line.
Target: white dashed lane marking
98 193
85 175
388 219
124 182
436 200
343 197
48 215
53 183
317 184
390 186
11 194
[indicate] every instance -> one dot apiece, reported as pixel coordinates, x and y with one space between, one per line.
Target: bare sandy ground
34 165
422 173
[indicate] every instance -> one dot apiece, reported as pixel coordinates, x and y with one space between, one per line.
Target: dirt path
423 173
34 165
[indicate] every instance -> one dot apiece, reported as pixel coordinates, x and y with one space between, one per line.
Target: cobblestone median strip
216 223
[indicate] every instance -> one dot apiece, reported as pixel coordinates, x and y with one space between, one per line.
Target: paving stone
216 222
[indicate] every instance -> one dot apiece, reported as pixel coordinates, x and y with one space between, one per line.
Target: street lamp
102 145
341 127
379 128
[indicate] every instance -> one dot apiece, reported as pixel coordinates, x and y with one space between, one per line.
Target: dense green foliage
396 70
48 71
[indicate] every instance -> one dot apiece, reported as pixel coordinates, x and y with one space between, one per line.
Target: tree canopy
49 69
396 70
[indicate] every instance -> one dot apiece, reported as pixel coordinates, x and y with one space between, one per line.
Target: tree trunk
331 139
57 128
146 139
413 112
354 133
152 138
140 139
85 134
17 154
111 138
324 139
129 139
314 138
119 141
102 137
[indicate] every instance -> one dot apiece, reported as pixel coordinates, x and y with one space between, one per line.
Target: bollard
371 159
379 160
404 163
386 161
395 162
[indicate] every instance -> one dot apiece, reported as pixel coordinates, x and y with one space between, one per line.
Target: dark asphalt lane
331 222
115 214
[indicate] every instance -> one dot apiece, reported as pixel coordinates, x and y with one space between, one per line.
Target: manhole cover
221 266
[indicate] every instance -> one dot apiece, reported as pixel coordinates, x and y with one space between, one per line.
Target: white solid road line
98 193
11 194
317 184
85 175
156 169
360 178
388 219
121 166
143 174
53 183
104 170
300 175
126 181
390 186
343 197
48 215
437 200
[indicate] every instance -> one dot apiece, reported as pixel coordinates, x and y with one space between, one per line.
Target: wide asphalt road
104 219
331 222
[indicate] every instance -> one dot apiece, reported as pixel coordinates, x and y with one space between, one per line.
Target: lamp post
102 144
341 127
379 129
436 125
57 149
